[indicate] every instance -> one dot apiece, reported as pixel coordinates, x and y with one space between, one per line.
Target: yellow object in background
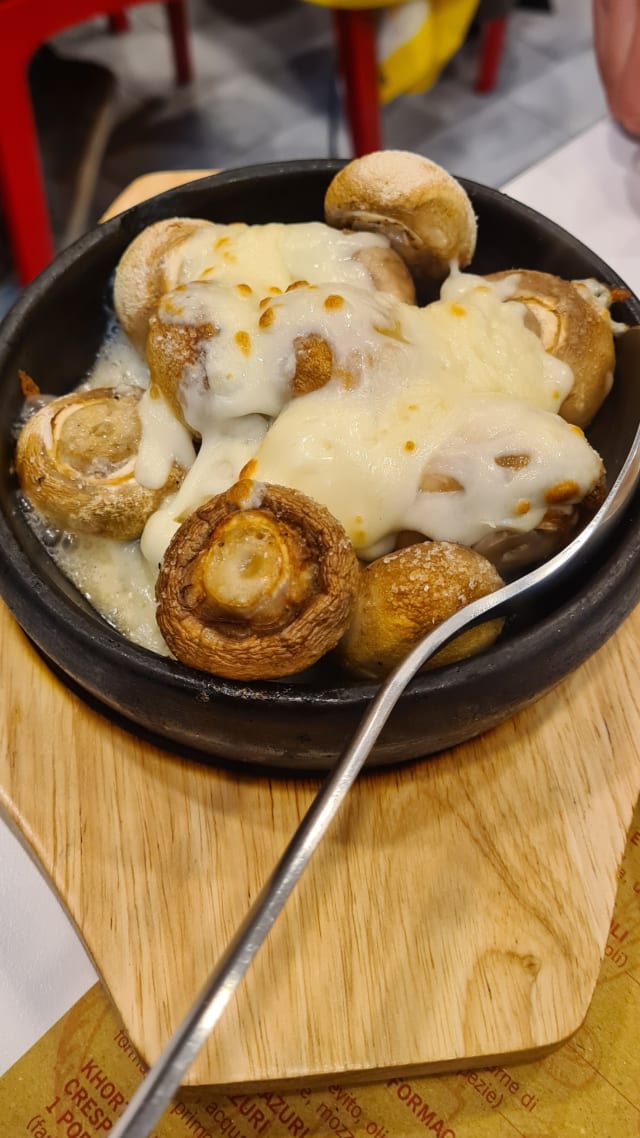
416 38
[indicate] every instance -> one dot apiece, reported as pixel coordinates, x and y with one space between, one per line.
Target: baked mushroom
405 595
75 461
423 211
257 583
141 276
208 349
177 359
574 330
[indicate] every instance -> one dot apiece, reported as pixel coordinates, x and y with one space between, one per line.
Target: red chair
355 36
24 26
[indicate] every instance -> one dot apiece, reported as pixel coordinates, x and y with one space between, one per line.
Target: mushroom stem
252 572
257 583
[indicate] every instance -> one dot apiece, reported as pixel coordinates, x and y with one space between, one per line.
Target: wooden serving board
457 911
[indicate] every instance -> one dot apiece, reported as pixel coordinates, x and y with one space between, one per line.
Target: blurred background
235 82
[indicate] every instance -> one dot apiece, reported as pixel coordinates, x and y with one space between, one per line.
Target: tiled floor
265 83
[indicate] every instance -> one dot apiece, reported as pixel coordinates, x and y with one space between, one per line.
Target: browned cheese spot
393 331
297 284
439 483
243 340
522 507
562 492
333 302
513 461
457 309
267 318
244 290
409 445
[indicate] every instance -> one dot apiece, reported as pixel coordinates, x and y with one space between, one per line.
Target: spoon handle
162 1081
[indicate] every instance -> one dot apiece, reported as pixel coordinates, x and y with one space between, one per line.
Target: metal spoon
164 1078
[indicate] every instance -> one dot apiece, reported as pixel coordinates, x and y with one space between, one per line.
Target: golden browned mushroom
257 583
423 211
75 461
403 596
176 355
141 276
176 351
572 329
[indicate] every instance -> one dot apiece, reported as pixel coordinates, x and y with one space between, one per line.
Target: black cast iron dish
54 333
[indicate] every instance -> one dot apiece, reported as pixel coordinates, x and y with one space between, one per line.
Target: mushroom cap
186 367
423 211
573 330
75 461
175 351
141 279
258 583
388 272
405 595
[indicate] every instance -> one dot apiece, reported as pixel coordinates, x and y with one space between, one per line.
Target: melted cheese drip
440 391
117 363
223 453
164 440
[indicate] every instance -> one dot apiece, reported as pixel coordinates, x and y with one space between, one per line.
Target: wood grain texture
457 911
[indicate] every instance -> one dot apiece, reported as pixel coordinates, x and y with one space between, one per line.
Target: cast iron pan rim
26 588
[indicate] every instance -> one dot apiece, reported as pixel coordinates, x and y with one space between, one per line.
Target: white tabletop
591 187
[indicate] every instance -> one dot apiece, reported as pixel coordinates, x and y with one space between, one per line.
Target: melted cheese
164 440
224 451
269 257
443 392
